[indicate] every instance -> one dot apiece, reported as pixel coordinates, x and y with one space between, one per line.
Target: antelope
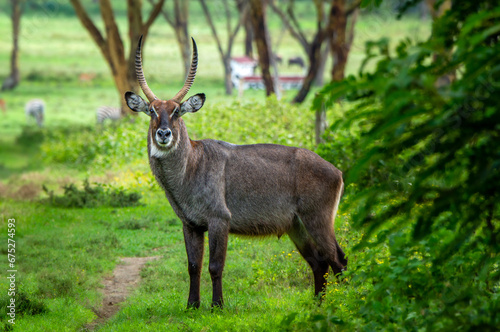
86 78
222 188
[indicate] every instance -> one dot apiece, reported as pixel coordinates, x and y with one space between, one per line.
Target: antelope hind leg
218 232
309 251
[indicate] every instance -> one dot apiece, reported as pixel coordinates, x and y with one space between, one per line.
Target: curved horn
140 75
190 78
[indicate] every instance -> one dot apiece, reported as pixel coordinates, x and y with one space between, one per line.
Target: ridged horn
140 74
190 78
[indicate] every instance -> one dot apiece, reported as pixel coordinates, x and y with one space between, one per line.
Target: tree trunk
445 5
231 35
181 32
111 45
13 79
320 75
227 77
320 125
247 25
338 45
257 14
314 57
179 22
248 37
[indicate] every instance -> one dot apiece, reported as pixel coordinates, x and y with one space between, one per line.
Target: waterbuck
261 189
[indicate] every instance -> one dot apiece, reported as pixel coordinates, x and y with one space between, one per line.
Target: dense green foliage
433 200
412 154
124 143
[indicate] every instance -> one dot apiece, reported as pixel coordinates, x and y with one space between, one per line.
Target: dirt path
125 278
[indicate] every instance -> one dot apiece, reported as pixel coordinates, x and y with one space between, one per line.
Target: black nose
164 133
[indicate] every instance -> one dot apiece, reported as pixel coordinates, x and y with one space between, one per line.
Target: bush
126 142
30 137
442 232
90 197
99 148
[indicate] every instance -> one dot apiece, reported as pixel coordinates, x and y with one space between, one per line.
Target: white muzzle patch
161 149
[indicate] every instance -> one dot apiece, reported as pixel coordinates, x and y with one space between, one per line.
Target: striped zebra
108 112
35 109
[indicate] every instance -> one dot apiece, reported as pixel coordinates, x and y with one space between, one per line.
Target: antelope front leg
194 248
218 231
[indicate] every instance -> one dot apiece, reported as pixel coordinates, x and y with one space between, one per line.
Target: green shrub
437 268
73 145
89 197
125 143
100 148
31 136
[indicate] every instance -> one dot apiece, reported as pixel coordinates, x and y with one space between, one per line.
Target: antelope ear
193 104
136 103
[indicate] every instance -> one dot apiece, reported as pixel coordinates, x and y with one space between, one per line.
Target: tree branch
134 22
114 40
228 16
90 26
157 9
164 13
243 13
295 22
354 6
212 26
299 36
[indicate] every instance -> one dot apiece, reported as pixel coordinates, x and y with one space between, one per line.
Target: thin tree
340 42
178 20
261 37
111 44
231 34
13 79
247 25
328 27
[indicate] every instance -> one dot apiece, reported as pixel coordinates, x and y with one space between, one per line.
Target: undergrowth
91 196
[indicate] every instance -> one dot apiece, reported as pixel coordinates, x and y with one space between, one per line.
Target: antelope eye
176 111
152 110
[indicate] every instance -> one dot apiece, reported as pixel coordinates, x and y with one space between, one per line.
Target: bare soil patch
125 278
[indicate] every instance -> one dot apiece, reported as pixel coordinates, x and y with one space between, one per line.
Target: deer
86 78
3 106
221 188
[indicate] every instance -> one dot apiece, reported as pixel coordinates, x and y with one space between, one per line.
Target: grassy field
63 254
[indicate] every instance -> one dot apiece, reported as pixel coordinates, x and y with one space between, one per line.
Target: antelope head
164 127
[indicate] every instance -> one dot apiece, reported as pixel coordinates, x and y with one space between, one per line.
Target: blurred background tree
230 33
178 19
13 79
331 25
111 43
258 13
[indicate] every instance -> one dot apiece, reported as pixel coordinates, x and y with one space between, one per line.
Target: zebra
108 112
35 108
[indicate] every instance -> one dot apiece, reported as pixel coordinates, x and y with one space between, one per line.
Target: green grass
62 255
